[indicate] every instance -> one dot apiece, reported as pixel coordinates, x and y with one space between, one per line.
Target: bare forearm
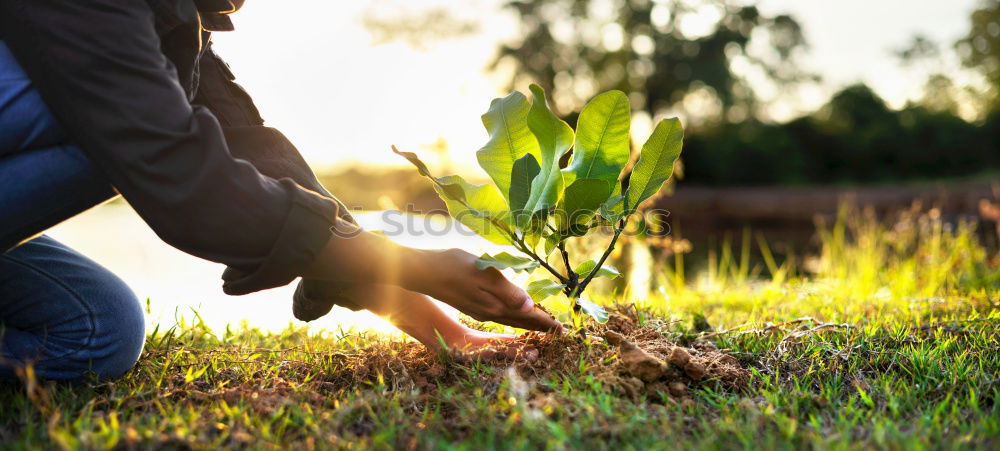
359 257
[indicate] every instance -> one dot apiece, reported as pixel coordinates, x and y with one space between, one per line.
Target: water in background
178 284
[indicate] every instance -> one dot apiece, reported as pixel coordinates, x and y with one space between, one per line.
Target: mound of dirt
628 359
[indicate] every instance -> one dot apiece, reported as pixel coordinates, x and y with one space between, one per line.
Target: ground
890 342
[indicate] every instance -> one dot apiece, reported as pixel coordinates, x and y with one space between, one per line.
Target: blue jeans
61 313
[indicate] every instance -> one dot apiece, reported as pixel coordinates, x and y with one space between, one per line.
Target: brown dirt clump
632 360
694 368
638 362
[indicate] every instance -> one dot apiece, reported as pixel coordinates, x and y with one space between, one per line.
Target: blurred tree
980 49
392 20
854 138
920 48
659 51
940 93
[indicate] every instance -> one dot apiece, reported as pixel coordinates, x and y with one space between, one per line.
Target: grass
891 342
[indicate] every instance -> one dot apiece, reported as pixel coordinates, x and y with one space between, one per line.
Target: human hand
452 277
421 318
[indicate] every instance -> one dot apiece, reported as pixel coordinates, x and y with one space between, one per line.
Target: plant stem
562 250
517 241
574 278
611 247
521 246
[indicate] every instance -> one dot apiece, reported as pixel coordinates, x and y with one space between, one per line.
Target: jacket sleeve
267 149
98 66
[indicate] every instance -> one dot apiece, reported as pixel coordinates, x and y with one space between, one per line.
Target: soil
629 360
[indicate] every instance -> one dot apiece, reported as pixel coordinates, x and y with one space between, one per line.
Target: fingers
511 295
488 307
534 319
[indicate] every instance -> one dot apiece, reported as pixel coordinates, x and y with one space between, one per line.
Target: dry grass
891 343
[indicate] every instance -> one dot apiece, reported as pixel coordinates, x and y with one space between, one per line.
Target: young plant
536 204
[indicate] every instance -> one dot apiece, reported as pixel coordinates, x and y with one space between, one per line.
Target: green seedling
536 204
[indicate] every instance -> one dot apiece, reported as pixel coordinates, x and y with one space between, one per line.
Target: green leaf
539 290
602 139
454 191
595 311
551 241
582 201
504 260
414 160
448 188
585 268
532 239
576 230
613 209
524 171
656 162
510 139
555 137
486 203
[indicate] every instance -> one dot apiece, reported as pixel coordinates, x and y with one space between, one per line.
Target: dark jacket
135 85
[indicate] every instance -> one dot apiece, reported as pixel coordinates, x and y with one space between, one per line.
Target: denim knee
119 330
65 314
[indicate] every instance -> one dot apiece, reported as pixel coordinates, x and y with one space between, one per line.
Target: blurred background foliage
854 138
642 47
980 50
704 60
660 52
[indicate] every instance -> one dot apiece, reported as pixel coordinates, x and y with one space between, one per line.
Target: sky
854 40
319 76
